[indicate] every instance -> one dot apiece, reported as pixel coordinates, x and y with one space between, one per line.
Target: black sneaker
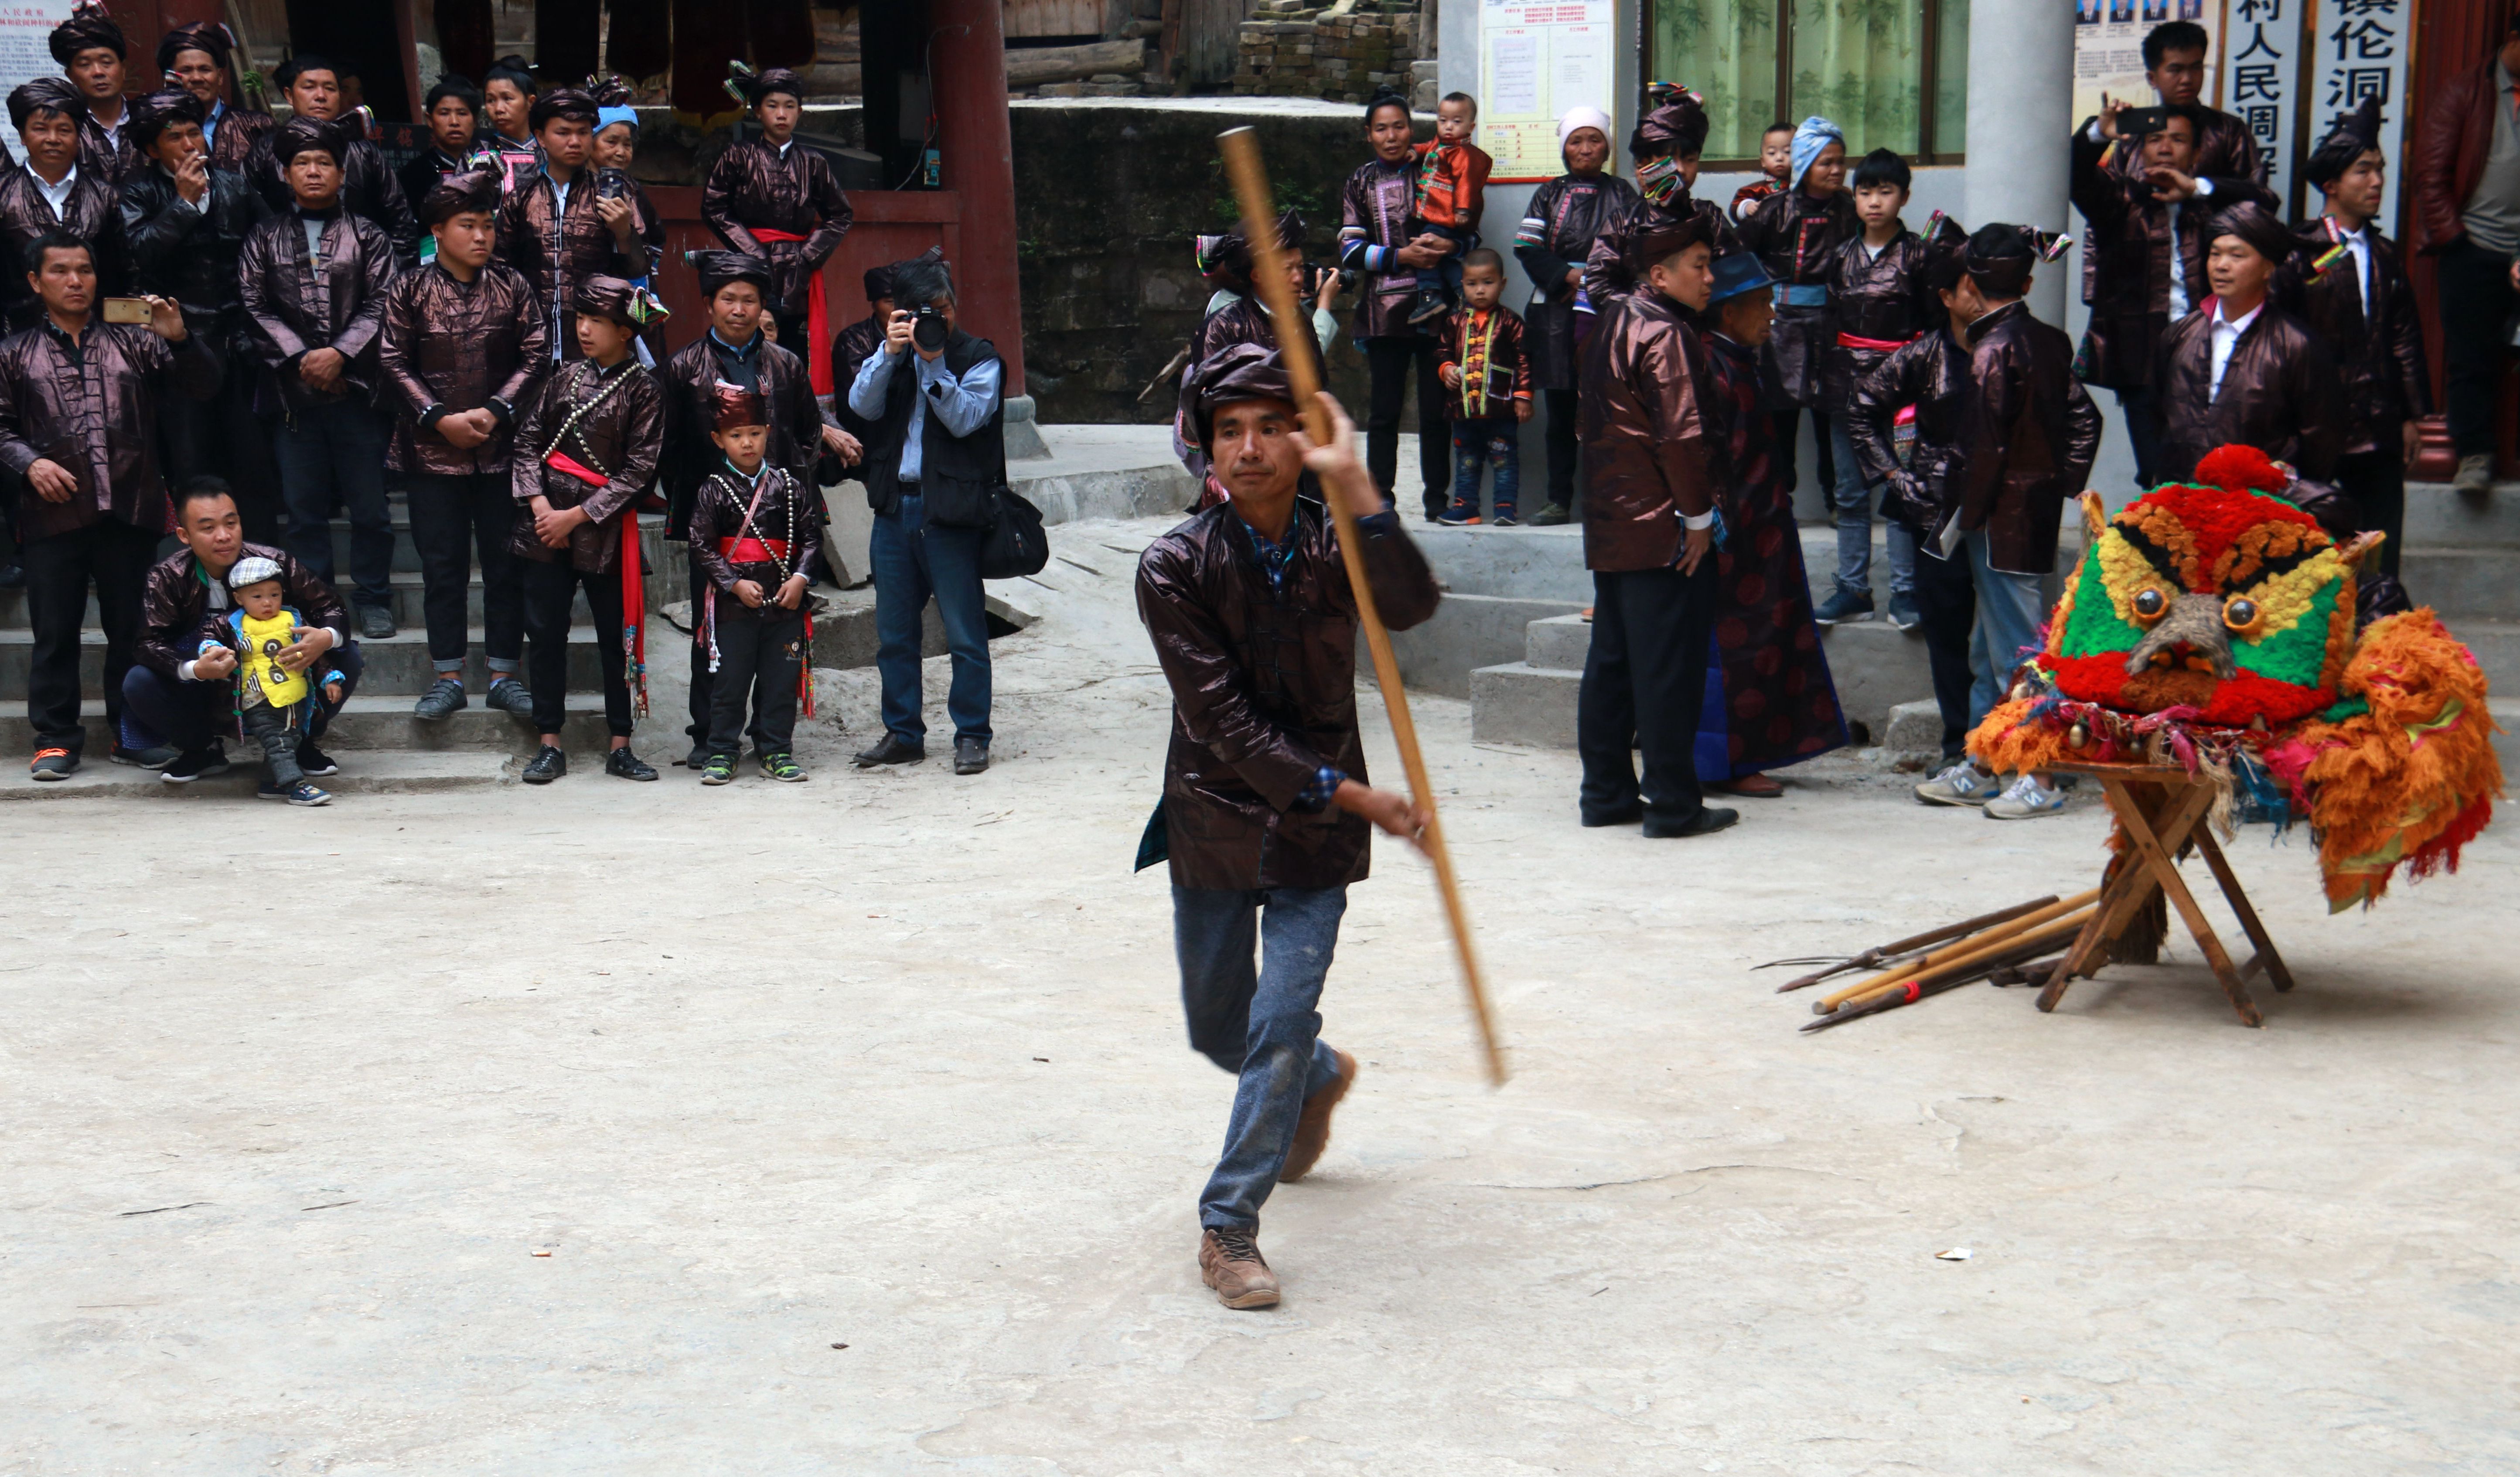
12 576
156 757
1458 513
718 769
1430 306
52 764
545 767
699 757
376 623
315 761
1503 518
1903 614
623 764
194 764
780 765
299 793
444 700
894 749
1551 516
508 696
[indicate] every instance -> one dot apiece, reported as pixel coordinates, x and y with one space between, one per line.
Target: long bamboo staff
1241 149
1890 954
2046 936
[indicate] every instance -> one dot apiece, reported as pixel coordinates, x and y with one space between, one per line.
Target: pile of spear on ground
2010 947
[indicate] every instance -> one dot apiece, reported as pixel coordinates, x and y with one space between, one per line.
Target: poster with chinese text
1536 59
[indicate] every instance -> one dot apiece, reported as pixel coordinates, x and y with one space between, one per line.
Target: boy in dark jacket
755 531
1266 818
1491 397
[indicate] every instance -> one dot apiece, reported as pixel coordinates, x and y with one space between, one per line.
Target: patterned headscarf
1814 135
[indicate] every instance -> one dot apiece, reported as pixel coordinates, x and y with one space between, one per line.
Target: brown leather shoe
1313 1130
1229 1261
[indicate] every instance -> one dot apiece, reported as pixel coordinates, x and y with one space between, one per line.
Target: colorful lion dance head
2212 624
2220 598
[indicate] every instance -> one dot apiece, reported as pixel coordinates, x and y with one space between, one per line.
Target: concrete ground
849 1127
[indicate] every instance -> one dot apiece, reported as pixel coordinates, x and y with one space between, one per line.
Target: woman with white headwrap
1559 228
1797 235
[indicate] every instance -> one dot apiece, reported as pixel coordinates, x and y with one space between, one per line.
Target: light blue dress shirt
963 404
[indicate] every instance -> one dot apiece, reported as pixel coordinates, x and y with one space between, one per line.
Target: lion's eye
2240 613
2151 603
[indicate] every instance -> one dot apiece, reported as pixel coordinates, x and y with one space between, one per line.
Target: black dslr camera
927 325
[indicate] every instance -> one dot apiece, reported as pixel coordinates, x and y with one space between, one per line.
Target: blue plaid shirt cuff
1315 796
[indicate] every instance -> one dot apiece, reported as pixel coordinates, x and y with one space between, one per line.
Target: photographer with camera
569 222
936 458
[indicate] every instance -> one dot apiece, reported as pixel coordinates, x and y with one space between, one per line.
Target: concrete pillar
968 81
2021 106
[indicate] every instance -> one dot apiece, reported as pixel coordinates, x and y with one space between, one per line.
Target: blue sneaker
299 793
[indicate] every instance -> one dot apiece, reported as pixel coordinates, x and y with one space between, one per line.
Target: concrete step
364 774
2465 585
370 724
1875 668
397 665
2439 516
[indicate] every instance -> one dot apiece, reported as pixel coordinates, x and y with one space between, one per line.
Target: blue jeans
1445 275
913 563
331 454
2009 612
1852 499
1259 1024
1493 442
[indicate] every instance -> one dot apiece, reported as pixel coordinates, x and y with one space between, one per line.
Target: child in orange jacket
1452 193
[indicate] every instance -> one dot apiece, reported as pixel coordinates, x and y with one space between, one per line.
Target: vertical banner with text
2359 49
1536 59
26 40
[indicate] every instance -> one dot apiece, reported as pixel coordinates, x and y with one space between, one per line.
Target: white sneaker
1963 783
2026 800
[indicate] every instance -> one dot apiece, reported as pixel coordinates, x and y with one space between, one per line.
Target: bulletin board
1536 59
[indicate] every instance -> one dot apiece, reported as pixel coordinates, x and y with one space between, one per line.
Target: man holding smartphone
561 228
78 413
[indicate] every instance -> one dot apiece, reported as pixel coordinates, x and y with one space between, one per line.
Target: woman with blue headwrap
1797 235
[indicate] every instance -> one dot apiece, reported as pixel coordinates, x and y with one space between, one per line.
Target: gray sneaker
1963 783
444 700
2475 474
1844 607
508 696
2026 800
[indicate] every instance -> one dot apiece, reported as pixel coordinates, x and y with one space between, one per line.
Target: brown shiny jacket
1798 240
1507 378
175 601
232 142
112 160
2028 441
290 308
689 382
556 251
2449 151
1882 298
97 417
186 251
2133 252
620 437
1264 691
2383 377
2225 149
1647 443
93 214
751 186
452 346
2279 394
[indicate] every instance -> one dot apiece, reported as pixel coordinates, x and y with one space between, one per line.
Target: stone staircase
2462 557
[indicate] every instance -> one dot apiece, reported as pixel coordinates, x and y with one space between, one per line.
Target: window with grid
1893 73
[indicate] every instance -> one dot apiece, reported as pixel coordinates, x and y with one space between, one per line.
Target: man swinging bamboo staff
1267 817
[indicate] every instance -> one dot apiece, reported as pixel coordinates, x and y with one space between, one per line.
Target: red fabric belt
817 317
1878 345
753 551
563 462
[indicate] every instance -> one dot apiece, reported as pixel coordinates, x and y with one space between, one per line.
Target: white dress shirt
2360 243
56 195
2227 337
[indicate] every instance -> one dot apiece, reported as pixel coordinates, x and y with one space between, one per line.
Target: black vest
957 475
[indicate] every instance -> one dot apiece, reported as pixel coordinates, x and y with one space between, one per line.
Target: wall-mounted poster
1536 59
26 34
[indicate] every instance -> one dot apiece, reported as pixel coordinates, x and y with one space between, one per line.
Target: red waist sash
817 317
1877 346
753 551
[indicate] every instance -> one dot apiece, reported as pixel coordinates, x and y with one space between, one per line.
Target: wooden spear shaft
1295 345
